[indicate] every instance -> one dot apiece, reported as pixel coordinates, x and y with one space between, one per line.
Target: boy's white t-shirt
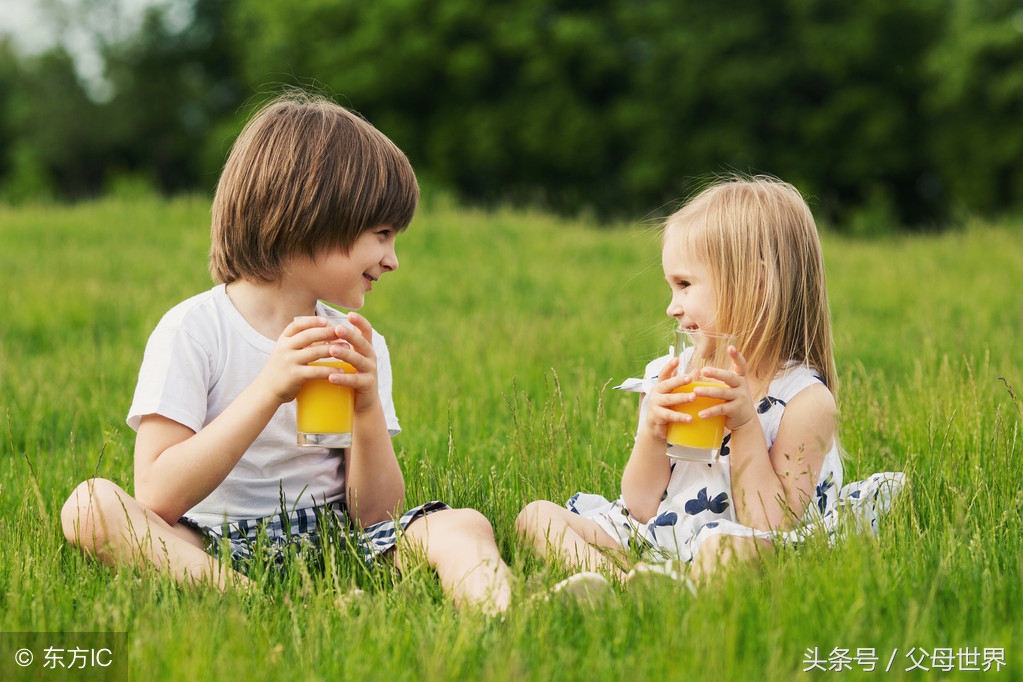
201 355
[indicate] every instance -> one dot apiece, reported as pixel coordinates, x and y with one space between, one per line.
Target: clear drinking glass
700 439
324 410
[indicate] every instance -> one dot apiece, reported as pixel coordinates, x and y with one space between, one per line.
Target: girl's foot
671 570
586 589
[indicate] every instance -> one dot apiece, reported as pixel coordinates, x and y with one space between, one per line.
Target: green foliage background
893 114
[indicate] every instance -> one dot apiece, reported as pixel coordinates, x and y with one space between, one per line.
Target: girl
743 258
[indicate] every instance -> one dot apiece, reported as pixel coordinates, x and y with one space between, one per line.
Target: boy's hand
305 340
355 346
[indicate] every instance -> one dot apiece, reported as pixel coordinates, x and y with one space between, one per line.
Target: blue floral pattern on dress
822 492
767 403
666 519
718 504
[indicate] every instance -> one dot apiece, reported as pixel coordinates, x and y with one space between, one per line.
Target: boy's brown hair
305 174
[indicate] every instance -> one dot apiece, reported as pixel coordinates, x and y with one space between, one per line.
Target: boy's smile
345 279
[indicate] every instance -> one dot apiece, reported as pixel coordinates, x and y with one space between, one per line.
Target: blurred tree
59 136
624 104
9 74
977 104
147 122
885 112
500 100
855 113
171 86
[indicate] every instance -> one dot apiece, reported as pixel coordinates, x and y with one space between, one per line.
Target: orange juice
325 410
699 439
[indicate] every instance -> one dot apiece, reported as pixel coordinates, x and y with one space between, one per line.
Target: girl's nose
675 308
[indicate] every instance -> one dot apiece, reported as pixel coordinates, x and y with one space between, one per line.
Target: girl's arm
176 468
771 488
376 487
648 470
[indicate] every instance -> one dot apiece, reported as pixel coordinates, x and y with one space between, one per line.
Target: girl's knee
721 550
532 516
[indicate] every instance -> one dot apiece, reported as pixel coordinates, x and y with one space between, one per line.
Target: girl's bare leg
556 532
103 520
459 544
719 552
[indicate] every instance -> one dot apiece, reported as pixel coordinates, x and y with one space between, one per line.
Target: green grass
507 331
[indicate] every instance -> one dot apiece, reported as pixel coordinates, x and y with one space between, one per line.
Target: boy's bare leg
459 544
554 531
102 519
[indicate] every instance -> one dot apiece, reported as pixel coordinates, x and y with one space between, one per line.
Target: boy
307 209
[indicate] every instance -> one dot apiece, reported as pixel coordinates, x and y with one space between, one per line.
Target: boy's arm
176 467
375 485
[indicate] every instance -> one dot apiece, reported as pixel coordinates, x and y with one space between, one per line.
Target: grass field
507 331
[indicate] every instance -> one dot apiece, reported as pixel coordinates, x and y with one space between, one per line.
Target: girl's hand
662 399
738 406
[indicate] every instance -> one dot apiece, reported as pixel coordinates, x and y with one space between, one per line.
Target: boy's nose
390 261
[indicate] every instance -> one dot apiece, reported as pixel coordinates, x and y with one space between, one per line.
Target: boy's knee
470 522
449 534
449 530
88 510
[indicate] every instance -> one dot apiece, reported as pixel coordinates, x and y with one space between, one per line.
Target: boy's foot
586 589
669 569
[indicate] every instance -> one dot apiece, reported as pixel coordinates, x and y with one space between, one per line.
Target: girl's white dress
698 500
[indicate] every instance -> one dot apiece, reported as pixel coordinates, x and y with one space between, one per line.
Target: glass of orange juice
700 439
325 411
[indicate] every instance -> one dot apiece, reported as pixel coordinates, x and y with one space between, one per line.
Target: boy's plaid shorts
304 529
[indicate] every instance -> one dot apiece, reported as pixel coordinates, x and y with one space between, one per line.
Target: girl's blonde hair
760 242
304 175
